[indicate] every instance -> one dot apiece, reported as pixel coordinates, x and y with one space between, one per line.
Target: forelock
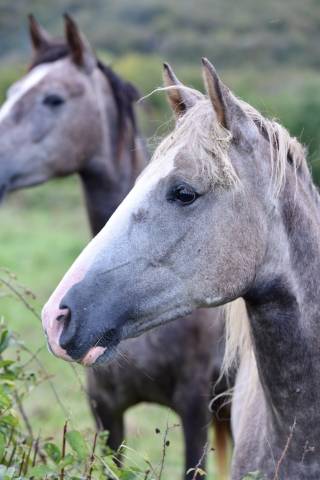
199 132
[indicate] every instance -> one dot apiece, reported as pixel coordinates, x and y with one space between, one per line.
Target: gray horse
72 114
226 209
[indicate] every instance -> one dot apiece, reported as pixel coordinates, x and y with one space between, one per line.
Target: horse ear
40 39
80 49
225 105
180 99
217 92
229 112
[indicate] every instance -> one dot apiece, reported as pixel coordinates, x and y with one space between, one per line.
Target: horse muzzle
78 333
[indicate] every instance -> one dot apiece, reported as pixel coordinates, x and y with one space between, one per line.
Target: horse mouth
21 180
98 355
104 350
101 352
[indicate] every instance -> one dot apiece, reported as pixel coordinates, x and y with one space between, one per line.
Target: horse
226 209
72 114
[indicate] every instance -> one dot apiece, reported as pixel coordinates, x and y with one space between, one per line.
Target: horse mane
285 150
124 93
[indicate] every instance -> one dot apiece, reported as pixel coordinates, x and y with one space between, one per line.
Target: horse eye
53 100
184 194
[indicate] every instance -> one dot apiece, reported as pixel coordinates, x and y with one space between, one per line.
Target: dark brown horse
72 114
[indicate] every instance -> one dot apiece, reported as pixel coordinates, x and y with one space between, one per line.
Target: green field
42 231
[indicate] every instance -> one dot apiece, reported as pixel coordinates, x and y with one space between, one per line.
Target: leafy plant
23 455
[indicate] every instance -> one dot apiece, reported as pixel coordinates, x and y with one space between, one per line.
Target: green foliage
304 122
268 33
298 109
22 456
9 74
77 444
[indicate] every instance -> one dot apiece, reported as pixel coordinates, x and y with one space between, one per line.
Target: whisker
131 362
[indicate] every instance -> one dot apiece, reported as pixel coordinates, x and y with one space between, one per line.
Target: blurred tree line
267 52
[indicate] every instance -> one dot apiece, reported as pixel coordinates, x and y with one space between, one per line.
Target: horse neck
284 312
110 174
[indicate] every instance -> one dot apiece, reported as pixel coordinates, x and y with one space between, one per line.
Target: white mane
206 140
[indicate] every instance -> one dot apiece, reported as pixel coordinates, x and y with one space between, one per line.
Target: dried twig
92 457
284 452
8 445
21 464
64 438
25 471
36 447
147 473
16 292
204 453
76 373
52 386
13 452
165 444
23 414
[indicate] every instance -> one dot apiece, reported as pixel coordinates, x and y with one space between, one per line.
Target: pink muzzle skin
51 311
92 356
53 330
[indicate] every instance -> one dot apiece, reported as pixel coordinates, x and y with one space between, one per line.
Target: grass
42 231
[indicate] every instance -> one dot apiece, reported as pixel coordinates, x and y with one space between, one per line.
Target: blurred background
267 52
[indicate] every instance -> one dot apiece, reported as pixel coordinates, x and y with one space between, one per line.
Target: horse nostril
64 315
69 328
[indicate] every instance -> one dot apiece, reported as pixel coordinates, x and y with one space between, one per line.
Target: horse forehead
180 158
17 91
186 160
159 167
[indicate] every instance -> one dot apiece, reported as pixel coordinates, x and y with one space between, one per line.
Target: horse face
43 125
188 235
